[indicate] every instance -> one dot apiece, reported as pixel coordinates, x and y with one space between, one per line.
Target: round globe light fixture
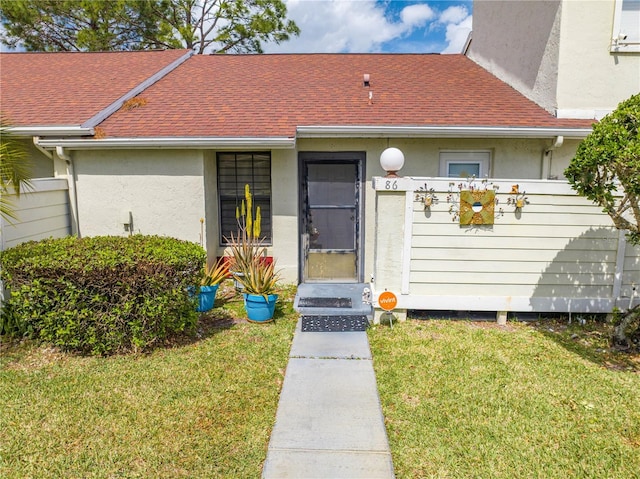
392 160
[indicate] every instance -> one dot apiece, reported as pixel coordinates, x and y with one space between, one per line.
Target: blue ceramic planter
259 309
206 297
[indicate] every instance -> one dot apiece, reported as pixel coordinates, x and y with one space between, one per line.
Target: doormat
324 302
330 324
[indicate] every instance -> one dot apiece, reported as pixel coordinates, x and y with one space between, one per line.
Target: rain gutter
59 130
437 132
274 143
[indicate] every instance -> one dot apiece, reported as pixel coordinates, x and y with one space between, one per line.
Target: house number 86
391 185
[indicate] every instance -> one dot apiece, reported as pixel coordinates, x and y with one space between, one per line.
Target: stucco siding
518 42
284 184
591 78
163 190
42 212
556 53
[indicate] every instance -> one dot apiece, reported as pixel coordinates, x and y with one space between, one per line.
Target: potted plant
255 274
210 281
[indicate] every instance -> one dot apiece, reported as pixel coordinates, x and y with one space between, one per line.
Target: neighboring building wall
556 53
560 253
42 212
591 79
518 42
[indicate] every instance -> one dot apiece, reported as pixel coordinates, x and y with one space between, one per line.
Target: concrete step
356 293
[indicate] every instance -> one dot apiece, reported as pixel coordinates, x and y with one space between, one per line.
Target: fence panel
42 212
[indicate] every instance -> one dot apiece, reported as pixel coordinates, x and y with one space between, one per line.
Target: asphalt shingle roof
263 95
69 88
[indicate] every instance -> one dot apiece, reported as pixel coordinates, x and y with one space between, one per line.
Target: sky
377 26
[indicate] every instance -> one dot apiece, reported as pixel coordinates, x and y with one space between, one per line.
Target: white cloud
337 26
458 26
416 15
455 14
361 26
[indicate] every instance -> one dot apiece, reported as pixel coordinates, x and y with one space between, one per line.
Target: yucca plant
214 274
248 255
260 277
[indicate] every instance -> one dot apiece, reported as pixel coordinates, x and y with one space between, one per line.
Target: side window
626 26
464 164
235 170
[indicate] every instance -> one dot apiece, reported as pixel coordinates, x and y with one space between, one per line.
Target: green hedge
101 295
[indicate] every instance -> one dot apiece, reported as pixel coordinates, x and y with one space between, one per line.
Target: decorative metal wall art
474 203
427 196
519 199
477 207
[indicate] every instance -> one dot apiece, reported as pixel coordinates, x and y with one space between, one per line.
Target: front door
330 221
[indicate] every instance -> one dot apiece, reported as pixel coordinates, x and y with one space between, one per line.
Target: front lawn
474 400
461 400
200 407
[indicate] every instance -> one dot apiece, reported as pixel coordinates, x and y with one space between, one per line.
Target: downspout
547 158
73 195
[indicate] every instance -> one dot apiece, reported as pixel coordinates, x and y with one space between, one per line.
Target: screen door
330 223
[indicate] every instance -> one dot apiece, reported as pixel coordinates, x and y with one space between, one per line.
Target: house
576 59
164 142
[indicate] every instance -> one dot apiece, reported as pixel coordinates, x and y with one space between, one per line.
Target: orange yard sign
387 300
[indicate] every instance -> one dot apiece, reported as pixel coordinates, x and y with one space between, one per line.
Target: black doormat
324 302
329 324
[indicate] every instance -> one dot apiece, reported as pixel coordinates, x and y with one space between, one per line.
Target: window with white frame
235 170
626 26
464 164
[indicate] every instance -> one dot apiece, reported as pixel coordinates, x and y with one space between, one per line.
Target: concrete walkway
329 422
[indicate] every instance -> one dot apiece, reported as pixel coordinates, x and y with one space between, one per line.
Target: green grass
200 407
472 400
461 400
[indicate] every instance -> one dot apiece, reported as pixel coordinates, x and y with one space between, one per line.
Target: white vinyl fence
558 253
42 212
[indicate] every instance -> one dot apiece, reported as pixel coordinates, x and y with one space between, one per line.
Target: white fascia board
272 143
116 105
51 130
437 132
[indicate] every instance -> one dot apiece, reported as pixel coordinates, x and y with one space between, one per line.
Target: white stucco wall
557 53
163 190
592 80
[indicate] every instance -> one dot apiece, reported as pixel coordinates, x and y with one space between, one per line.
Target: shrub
101 295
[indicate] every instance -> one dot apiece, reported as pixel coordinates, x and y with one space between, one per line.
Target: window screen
235 170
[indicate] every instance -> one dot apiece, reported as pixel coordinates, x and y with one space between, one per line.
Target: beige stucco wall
163 190
556 53
591 78
169 191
